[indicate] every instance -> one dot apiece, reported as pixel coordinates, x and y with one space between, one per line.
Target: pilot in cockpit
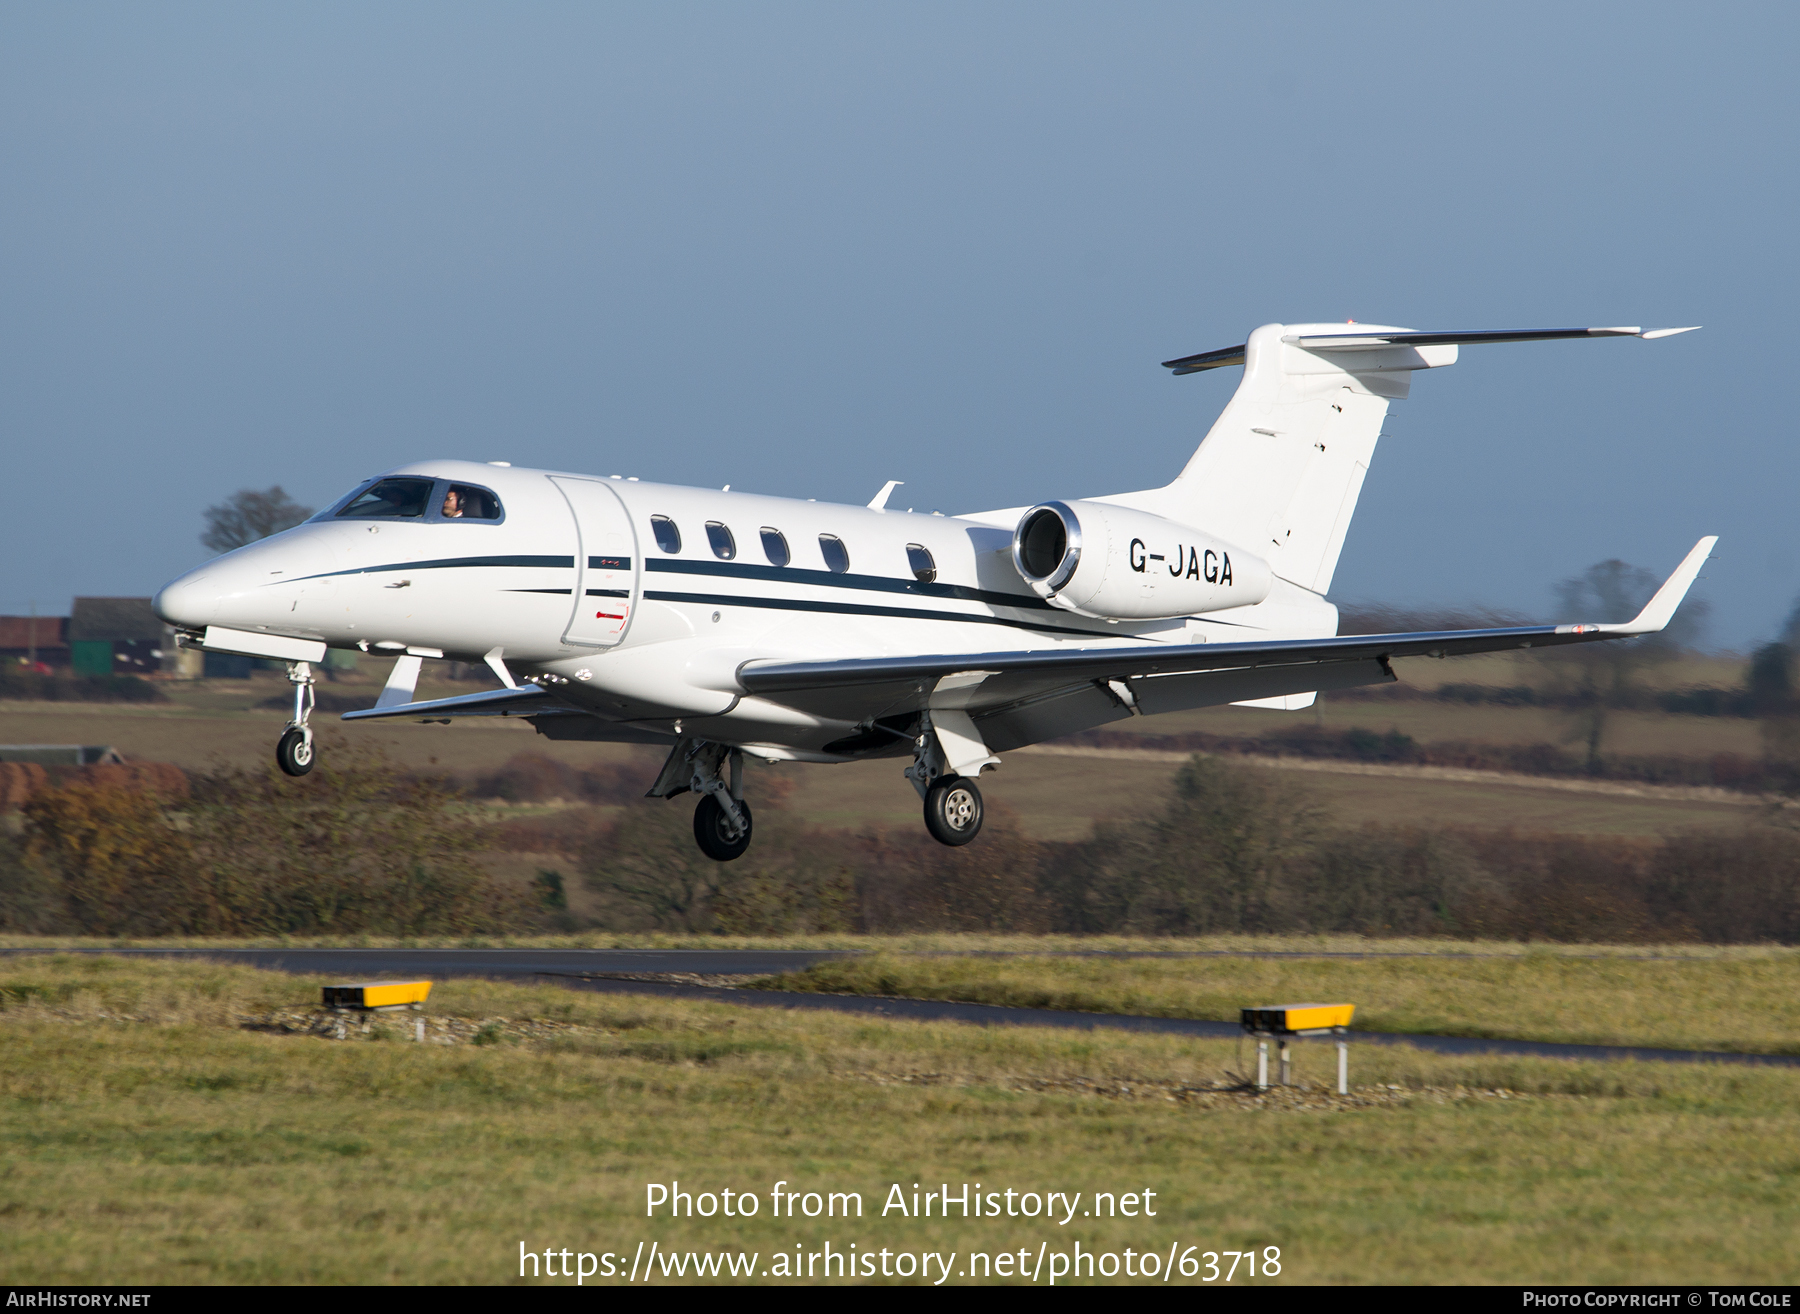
453 504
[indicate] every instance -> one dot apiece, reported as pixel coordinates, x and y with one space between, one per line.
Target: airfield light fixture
368 997
1283 1023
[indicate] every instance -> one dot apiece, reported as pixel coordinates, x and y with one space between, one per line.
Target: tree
357 846
1771 682
1599 678
248 515
124 870
1790 630
1228 855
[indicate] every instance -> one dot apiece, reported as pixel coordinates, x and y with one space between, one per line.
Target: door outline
580 598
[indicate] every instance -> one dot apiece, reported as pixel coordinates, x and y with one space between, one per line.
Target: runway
609 970
935 1010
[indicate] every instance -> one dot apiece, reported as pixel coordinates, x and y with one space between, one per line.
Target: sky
804 249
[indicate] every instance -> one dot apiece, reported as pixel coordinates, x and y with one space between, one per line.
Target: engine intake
1114 563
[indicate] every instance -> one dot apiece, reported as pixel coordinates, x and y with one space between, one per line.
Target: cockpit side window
390 499
468 502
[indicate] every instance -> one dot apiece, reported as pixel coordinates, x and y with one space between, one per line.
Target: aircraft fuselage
575 578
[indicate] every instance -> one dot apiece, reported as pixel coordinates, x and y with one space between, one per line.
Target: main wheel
712 830
294 752
953 810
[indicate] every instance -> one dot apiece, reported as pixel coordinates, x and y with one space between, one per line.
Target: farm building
123 636
40 639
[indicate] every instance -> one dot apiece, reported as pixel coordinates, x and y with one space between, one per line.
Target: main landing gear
953 810
721 836
722 823
952 801
294 750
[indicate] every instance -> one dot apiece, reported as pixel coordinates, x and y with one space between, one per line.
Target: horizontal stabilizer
1209 360
1370 341
526 700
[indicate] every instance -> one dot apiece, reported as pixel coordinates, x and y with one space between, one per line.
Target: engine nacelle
1113 563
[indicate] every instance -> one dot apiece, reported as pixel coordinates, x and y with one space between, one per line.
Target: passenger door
606 563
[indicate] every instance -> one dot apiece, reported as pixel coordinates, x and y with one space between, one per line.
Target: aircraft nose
190 602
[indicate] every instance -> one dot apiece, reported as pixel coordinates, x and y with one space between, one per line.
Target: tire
953 810
712 830
294 752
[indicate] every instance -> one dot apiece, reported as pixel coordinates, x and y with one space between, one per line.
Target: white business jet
722 624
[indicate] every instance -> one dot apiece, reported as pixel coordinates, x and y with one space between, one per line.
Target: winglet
1666 333
1658 611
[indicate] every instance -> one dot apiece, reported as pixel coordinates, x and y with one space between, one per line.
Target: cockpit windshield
390 497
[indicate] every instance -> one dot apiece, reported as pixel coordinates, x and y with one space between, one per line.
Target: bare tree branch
248 515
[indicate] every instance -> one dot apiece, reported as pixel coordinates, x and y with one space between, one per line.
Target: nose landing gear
294 750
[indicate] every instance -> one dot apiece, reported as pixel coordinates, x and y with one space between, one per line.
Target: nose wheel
953 810
294 750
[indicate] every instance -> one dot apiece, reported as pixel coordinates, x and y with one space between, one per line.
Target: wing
549 718
1017 698
526 700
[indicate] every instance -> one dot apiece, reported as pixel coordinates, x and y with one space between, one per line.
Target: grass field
149 1135
1057 798
1429 721
1748 1003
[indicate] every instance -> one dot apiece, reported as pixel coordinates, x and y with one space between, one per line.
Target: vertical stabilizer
1282 468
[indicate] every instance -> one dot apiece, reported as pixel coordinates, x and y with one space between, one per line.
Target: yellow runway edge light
1296 1019
377 994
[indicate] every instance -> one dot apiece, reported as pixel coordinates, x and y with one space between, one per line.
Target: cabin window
924 569
724 546
389 498
775 547
668 537
837 558
467 502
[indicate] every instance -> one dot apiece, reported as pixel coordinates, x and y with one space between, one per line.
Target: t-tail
1281 470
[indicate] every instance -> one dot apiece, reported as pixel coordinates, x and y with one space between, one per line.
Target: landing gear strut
294 750
722 821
